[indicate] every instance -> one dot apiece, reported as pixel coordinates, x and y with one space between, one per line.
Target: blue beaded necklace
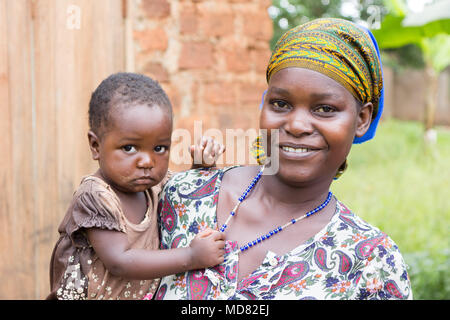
277 229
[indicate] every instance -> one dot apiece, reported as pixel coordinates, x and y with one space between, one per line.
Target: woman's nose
299 122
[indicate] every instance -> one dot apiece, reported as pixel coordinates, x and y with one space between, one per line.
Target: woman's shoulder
189 181
377 265
364 238
349 220
187 205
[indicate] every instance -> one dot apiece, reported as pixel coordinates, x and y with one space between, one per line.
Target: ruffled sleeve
94 207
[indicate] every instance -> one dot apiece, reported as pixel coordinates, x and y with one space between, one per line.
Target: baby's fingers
218 236
220 259
208 151
217 150
205 233
196 152
221 149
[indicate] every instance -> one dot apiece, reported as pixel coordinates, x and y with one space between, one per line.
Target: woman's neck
273 190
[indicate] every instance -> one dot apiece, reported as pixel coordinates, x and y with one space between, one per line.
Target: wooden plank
70 72
45 132
6 164
17 265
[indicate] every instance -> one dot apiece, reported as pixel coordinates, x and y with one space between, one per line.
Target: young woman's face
317 119
133 153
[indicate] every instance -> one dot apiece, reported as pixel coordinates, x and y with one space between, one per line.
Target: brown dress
75 270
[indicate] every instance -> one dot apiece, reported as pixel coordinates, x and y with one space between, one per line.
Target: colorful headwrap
341 50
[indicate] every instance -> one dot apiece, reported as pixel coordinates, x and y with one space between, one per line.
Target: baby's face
134 150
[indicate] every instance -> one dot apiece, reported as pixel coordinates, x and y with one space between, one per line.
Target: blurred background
210 57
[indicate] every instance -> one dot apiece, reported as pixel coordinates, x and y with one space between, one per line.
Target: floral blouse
347 259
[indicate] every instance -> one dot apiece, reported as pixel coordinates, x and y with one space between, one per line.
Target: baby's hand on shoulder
206 152
207 249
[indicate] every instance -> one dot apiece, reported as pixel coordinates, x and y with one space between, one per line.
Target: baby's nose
145 161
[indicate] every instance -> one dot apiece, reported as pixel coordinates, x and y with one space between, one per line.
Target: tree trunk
432 78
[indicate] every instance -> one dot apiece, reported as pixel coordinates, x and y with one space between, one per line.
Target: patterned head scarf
341 50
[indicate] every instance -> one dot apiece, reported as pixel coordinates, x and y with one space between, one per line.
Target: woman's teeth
296 150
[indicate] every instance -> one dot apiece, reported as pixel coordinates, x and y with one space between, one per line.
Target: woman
287 236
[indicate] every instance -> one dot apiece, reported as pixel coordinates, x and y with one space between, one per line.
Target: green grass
400 185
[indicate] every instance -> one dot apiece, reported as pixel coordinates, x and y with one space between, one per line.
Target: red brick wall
209 55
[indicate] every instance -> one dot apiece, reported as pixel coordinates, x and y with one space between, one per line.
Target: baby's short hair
124 89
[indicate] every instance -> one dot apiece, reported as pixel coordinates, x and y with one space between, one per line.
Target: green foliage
429 275
295 12
437 51
393 34
432 35
392 183
396 7
408 56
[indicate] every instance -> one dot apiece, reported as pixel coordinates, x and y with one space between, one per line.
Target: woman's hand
206 152
207 249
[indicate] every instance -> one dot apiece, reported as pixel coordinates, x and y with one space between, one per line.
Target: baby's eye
160 149
324 109
129 149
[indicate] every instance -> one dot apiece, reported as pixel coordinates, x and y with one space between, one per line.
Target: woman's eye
129 149
325 109
160 149
280 104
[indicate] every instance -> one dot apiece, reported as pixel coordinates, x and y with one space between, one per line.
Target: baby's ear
364 119
94 145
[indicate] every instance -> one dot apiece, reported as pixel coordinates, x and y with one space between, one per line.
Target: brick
258 26
196 55
156 71
174 97
219 93
156 8
250 93
264 3
188 20
260 59
237 60
154 39
217 24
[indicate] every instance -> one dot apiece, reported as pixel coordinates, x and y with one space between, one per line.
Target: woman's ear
94 145
364 119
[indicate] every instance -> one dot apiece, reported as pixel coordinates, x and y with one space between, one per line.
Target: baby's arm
112 248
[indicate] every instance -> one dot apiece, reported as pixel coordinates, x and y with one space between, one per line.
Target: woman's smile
297 151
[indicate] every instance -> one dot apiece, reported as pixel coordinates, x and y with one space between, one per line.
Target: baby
108 245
